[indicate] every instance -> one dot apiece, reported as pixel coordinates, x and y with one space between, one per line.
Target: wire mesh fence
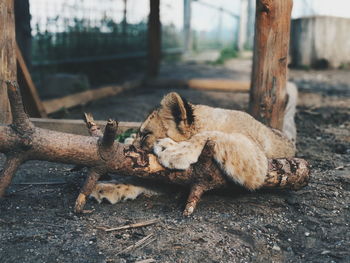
215 24
84 30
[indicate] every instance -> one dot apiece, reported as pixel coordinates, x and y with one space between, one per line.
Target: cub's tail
289 128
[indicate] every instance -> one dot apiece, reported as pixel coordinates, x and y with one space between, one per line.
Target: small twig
135 225
143 242
93 128
20 190
41 183
149 260
109 134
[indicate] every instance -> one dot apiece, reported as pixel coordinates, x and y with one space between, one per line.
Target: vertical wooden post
154 39
269 76
187 26
8 70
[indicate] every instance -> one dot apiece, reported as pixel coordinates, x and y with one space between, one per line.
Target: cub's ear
177 108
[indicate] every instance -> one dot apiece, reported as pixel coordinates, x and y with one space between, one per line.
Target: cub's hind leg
114 192
241 159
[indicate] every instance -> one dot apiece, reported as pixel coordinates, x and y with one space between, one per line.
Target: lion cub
177 132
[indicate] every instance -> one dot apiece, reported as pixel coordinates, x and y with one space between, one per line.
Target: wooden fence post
8 69
154 39
271 44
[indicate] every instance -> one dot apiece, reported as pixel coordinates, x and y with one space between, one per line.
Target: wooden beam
84 97
31 100
77 126
219 85
227 85
268 85
154 39
8 71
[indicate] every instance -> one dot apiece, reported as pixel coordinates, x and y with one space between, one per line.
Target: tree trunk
154 39
7 56
271 43
21 141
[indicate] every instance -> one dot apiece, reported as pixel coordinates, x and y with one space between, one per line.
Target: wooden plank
78 126
154 39
31 100
84 97
268 85
8 71
219 85
227 85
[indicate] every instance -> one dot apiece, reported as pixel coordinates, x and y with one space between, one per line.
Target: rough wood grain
272 30
7 56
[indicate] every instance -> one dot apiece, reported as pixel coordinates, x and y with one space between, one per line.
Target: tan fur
114 192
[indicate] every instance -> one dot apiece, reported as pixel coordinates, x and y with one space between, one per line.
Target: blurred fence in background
223 24
105 38
67 31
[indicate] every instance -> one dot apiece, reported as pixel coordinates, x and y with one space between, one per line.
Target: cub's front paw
162 145
175 155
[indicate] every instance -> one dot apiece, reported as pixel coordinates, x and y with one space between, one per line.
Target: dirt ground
311 225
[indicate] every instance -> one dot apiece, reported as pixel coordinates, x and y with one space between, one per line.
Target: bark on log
268 85
21 141
7 56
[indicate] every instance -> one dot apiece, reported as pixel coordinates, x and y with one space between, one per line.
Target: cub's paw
162 145
114 193
175 155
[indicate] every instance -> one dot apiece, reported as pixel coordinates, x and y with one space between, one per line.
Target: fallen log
22 141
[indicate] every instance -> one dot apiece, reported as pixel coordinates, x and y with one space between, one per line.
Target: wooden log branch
21 141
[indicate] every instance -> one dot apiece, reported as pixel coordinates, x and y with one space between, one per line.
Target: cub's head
174 119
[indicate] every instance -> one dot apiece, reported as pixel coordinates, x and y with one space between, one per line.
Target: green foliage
225 54
121 137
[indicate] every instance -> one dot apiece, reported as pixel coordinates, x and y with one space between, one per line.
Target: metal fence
215 24
66 31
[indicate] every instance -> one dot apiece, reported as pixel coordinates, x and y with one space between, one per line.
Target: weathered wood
32 102
84 97
7 56
154 39
272 29
219 85
202 84
22 140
